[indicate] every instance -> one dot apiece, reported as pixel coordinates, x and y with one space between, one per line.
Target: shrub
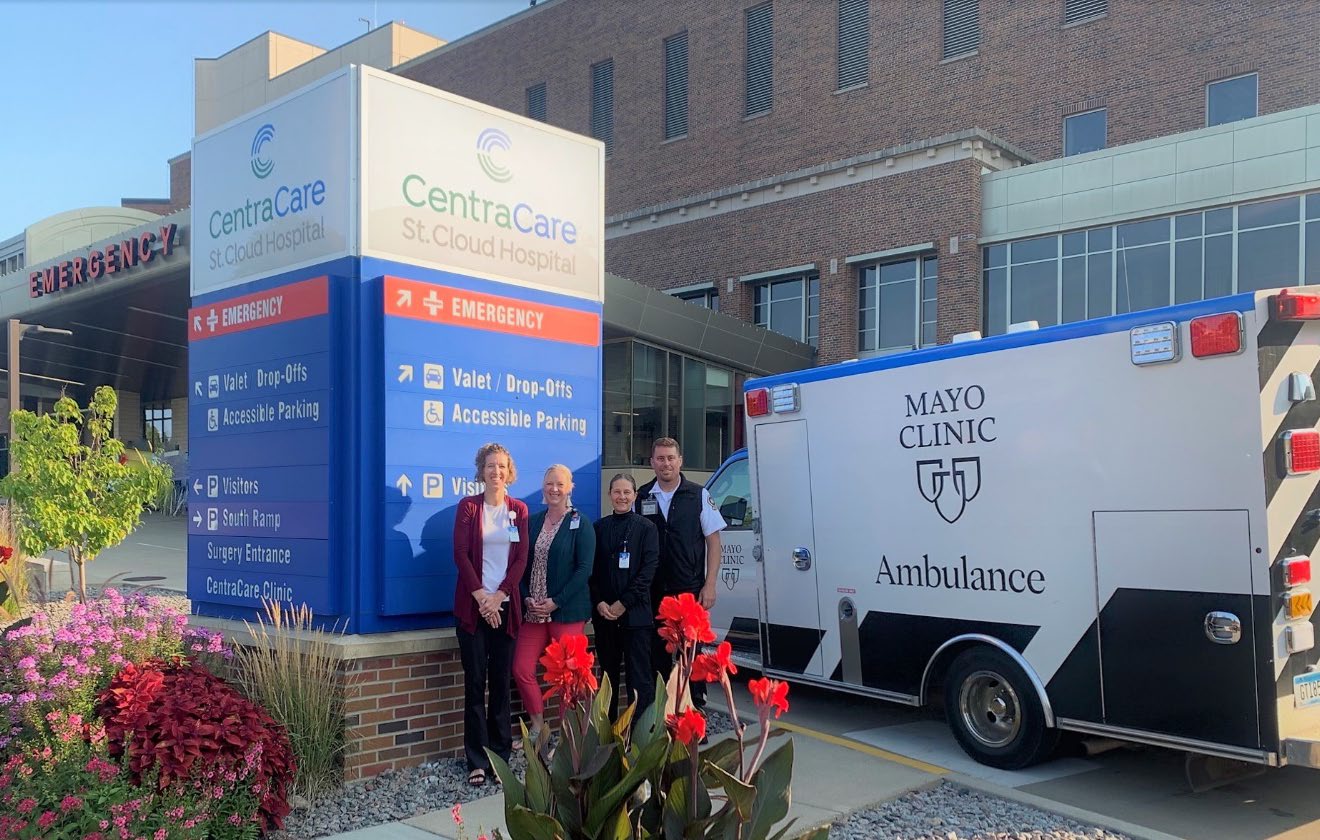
45 668
292 669
187 728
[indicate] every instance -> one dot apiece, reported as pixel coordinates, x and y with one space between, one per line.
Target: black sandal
477 777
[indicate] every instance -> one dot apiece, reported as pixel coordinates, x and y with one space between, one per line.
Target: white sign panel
273 191
456 185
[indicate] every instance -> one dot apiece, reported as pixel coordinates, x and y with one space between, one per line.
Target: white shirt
711 521
495 524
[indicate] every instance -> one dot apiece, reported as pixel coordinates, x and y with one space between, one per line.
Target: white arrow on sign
197 519
197 323
405 298
198 388
405 373
403 483
197 486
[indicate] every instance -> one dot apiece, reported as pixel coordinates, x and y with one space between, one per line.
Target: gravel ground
950 812
398 795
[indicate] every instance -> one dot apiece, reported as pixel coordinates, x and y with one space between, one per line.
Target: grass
292 668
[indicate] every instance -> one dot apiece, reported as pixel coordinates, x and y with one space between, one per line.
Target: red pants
532 641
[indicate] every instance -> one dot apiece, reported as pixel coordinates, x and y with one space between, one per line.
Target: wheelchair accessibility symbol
433 413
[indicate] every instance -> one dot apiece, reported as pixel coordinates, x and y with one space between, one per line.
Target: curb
1137 832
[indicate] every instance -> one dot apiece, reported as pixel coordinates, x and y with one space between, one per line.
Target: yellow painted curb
865 748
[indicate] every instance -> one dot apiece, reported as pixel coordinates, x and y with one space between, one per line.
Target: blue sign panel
469 362
261 419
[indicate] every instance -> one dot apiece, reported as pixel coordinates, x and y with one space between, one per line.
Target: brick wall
406 709
927 205
1146 62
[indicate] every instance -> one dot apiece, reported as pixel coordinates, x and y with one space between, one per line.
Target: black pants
618 645
662 662
487 657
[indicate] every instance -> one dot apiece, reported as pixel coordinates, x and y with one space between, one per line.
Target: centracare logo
261 167
489 141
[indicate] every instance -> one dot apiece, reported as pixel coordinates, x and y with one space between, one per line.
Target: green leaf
722 754
773 783
528 825
742 796
602 809
820 832
539 796
596 762
675 816
514 792
651 723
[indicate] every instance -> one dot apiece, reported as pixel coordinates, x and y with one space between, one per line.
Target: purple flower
26 663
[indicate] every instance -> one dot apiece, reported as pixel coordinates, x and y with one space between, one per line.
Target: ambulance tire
994 711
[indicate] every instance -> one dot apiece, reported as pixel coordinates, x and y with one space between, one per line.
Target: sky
98 96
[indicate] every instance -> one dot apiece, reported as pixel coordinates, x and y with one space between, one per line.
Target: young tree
69 487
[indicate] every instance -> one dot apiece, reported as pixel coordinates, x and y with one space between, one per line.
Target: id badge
624 559
650 507
574 523
513 534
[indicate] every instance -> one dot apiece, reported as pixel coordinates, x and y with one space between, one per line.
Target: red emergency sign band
461 308
304 299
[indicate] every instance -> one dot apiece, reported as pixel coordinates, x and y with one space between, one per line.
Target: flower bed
113 728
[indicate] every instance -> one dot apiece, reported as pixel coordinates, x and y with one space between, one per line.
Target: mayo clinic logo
261 167
491 140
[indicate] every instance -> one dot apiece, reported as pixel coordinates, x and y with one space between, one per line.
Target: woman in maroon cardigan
490 550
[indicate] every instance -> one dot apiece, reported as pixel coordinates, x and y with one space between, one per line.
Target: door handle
802 558
1223 628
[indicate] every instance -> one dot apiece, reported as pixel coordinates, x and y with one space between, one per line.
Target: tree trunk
82 576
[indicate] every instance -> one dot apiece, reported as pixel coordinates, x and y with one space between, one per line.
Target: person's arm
711 525
517 553
583 546
467 571
595 591
647 557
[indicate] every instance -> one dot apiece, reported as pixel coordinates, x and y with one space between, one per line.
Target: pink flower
457 813
47 819
234 819
25 806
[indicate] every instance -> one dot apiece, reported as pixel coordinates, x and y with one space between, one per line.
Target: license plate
1306 690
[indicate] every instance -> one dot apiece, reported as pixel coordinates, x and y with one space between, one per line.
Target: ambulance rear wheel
994 711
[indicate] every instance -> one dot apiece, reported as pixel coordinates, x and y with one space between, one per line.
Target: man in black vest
689 525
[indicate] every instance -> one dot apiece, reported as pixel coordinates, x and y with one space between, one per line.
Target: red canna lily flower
714 667
769 694
568 668
688 728
6 552
684 622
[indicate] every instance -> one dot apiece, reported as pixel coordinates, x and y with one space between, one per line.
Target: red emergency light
1216 335
758 402
1301 451
1295 306
1296 571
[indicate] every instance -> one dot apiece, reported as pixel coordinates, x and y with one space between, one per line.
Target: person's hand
492 617
605 610
547 606
708 596
617 609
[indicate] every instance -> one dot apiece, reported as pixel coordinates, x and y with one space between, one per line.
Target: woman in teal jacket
556 597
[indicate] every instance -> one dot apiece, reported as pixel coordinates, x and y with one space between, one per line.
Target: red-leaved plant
645 775
184 726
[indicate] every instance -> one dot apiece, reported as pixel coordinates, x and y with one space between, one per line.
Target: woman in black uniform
627 553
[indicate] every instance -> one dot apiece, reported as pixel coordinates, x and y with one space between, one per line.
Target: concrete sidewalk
830 780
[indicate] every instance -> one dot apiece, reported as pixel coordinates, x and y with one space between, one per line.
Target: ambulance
1102 527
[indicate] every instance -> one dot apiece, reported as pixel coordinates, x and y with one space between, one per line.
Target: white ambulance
1101 527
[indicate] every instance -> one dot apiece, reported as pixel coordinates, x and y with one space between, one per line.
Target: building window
158 426
705 298
760 83
1145 264
1231 100
1076 11
652 393
897 305
1084 132
962 27
790 307
676 86
536 102
602 104
854 43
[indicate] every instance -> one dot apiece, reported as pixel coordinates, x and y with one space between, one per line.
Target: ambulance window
731 491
